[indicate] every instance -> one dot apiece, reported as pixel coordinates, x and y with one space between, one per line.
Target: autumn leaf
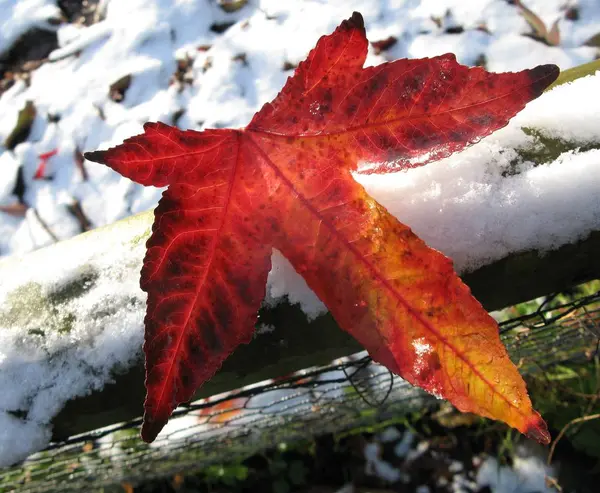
285 182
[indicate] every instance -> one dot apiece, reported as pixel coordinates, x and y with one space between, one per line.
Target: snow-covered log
73 313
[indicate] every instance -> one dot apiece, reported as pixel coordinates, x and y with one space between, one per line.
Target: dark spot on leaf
223 315
187 379
244 289
482 120
208 332
431 365
351 109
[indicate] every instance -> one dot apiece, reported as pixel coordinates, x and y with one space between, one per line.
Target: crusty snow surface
463 205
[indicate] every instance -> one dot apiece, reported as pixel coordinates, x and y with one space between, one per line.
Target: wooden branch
297 343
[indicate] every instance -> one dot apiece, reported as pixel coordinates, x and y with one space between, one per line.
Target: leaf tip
356 21
95 156
151 427
537 429
542 76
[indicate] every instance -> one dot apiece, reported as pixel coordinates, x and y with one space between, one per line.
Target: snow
284 281
456 466
462 205
414 454
465 207
17 16
527 474
52 353
403 447
390 434
347 488
374 466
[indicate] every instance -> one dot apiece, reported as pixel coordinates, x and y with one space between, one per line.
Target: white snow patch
284 281
8 177
19 438
17 16
463 484
85 349
422 447
264 329
347 488
421 347
390 434
374 466
465 207
404 446
527 474
554 112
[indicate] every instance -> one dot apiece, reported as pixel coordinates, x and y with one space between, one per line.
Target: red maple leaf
285 182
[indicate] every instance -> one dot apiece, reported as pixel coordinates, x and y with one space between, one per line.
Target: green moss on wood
136 240
76 286
38 311
545 149
29 308
24 303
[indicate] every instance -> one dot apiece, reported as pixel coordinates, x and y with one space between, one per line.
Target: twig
77 211
17 209
44 225
553 483
80 163
564 430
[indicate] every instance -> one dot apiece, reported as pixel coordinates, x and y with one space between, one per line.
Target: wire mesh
350 392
